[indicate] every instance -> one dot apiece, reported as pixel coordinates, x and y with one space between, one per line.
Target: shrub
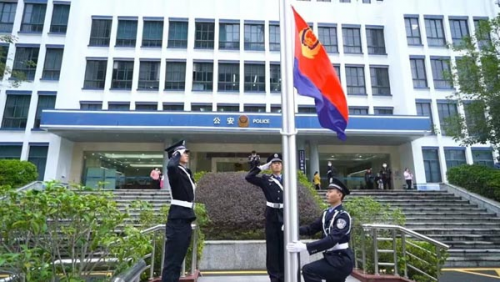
236 208
482 180
16 173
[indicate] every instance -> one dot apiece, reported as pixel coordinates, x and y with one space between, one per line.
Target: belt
337 247
274 205
182 203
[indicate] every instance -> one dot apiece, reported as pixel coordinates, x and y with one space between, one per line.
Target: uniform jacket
181 188
272 192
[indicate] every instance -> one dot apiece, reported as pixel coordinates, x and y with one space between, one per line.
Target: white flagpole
287 28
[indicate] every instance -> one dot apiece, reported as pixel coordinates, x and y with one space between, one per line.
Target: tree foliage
16 173
476 76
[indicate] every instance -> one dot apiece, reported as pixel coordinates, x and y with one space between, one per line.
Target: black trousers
178 232
408 184
275 253
334 267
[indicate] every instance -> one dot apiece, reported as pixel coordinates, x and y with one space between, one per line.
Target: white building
118 80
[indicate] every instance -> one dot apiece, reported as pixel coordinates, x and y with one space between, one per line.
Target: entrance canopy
136 126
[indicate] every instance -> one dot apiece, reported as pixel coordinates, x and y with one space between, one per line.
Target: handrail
29 186
409 232
133 274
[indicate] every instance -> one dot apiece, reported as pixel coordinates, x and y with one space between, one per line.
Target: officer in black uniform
335 224
272 186
181 213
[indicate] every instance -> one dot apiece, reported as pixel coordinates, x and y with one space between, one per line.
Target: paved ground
257 278
470 275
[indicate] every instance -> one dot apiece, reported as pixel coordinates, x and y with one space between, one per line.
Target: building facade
108 84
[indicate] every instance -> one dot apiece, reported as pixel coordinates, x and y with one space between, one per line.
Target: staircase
472 233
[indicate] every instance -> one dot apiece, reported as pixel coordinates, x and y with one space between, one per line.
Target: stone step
410 213
453 230
465 209
462 218
418 199
465 237
474 252
464 224
464 261
430 205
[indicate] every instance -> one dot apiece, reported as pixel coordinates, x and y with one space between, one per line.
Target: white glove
265 166
178 152
296 247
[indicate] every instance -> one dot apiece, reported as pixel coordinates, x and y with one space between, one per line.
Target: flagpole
288 132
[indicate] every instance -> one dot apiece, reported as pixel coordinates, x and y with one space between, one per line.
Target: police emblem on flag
310 43
341 223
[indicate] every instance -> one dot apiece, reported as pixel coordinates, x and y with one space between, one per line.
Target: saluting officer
272 186
335 224
181 213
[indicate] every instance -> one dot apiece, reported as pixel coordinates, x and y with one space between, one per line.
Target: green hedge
16 173
479 179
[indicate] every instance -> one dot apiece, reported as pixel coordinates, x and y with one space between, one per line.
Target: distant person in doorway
386 175
408 178
155 176
253 160
331 172
378 182
369 179
317 181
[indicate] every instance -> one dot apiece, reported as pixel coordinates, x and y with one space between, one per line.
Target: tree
477 75
16 77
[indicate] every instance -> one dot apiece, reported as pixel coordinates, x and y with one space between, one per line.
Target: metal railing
399 255
38 185
133 274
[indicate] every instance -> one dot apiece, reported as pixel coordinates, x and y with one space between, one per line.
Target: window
367 1
435 32
441 72
431 165
175 76
352 40
203 76
424 109
446 110
26 61
375 41
363 111
45 102
173 107
228 108
229 36
355 80
149 75
127 33
91 106
328 37
53 62
345 1
100 32
255 78
95 74
16 111
201 108
4 53
307 110
276 109
380 81
483 35
177 34
10 152
475 118
275 73
118 106
33 18
459 30
383 111
152 34
60 16
229 77
254 37
337 71
146 107
454 157
254 109
7 15
413 31
204 35
324 0
418 73
482 157
274 37
122 75
38 157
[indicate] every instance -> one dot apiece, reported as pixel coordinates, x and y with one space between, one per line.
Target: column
313 158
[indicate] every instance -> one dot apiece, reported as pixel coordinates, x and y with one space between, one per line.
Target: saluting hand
178 152
265 166
296 247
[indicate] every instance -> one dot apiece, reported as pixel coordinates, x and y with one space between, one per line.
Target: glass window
380 81
352 40
355 80
10 152
435 32
122 75
328 37
275 77
26 61
152 34
483 157
431 165
118 106
203 76
459 30
175 76
228 108
100 32
307 110
204 35
149 75
375 41
418 73
482 34
38 157
201 108
255 78
45 102
274 37
7 15
424 109
146 107
229 36
60 16
173 107
95 74
254 37
454 157
358 111
127 33
441 72
16 111
177 34
229 77
254 109
53 62
445 111
413 31
33 18
383 111
91 106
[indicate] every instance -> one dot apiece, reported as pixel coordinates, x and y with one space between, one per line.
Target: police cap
337 184
276 157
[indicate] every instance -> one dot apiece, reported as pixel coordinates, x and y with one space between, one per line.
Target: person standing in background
155 176
317 181
408 178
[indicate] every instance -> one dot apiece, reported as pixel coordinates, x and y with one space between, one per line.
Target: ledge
485 203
